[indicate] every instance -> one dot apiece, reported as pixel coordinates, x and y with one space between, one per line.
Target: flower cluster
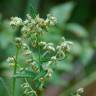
27 89
16 21
48 52
79 92
33 26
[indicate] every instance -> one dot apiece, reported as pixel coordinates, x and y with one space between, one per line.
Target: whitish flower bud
58 47
39 20
42 79
11 64
49 73
10 59
28 61
26 91
18 42
77 95
35 67
25 29
25 46
80 90
29 17
39 30
50 48
21 69
50 62
27 52
42 43
16 21
26 22
52 20
60 54
53 58
66 46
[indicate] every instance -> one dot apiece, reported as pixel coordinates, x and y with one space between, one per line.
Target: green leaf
86 54
6 34
62 12
31 10
76 48
76 29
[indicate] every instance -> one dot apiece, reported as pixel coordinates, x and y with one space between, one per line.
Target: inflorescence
49 53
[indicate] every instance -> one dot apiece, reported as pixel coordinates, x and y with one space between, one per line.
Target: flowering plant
35 68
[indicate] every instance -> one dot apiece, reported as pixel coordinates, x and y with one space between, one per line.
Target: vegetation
35 57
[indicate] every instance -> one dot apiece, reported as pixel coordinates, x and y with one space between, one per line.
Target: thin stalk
39 60
39 56
14 73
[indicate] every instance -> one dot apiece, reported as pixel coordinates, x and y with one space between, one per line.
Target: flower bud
18 42
27 52
80 90
53 58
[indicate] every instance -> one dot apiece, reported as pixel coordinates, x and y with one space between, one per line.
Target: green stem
38 40
14 73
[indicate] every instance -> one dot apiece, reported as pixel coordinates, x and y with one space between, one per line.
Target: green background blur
76 22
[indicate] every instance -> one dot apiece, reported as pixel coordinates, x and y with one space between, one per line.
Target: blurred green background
76 21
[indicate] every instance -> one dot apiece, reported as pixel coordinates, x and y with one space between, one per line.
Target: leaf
62 12
76 48
31 10
6 32
76 29
86 54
